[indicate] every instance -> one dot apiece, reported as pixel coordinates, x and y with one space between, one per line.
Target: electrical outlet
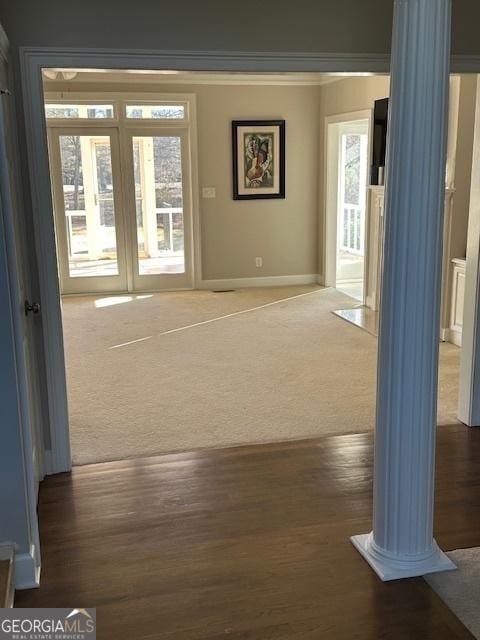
209 192
259 262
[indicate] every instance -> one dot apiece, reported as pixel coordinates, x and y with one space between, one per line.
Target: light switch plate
209 192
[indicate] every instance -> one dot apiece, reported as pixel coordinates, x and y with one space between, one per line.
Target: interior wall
213 25
345 96
459 172
13 519
282 232
463 164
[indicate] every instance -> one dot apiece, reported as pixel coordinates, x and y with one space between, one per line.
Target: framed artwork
258 159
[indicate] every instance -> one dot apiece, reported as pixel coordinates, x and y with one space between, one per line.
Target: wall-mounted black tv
379 144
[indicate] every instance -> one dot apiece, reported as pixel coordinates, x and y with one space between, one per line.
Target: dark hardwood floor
249 542
5 583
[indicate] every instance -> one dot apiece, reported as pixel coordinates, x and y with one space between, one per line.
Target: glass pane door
353 163
160 202
87 220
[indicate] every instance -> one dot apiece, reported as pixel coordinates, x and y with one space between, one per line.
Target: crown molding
263 61
222 61
193 78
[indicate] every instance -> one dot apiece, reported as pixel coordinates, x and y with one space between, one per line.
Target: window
87 111
156 112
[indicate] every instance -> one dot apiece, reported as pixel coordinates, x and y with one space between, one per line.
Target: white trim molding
266 281
446 261
309 79
32 60
330 178
374 254
453 333
60 457
216 61
27 569
469 380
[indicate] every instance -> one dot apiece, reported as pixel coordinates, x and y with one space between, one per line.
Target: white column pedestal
390 567
401 544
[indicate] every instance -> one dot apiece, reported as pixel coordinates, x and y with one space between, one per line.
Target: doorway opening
347 179
352 184
122 187
149 373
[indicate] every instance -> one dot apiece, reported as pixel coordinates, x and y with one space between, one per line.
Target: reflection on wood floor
249 542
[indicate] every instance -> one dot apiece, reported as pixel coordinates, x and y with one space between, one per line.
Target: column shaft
402 543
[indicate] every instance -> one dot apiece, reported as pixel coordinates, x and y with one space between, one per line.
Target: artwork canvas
258 159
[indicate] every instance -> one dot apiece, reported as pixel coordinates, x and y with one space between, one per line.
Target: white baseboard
452 335
267 281
27 570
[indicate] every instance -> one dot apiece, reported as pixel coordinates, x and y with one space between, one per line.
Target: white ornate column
401 543
469 382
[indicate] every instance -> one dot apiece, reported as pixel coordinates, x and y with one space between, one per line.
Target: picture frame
258 153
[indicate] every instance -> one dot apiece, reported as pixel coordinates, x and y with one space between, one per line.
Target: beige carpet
138 386
460 590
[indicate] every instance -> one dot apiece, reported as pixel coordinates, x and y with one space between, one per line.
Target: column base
395 568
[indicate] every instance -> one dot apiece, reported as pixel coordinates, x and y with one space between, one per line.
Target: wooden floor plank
250 542
6 589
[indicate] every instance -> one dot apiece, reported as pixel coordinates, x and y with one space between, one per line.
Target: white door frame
163 281
68 283
32 60
27 564
123 128
330 177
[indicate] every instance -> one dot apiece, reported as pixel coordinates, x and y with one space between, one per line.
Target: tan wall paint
355 94
463 164
345 96
289 234
233 233
283 232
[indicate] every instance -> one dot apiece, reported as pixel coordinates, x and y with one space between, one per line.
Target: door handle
34 307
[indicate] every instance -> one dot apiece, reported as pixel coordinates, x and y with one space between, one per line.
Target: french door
352 155
158 202
122 203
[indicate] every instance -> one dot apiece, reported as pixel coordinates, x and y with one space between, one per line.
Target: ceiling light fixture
59 74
